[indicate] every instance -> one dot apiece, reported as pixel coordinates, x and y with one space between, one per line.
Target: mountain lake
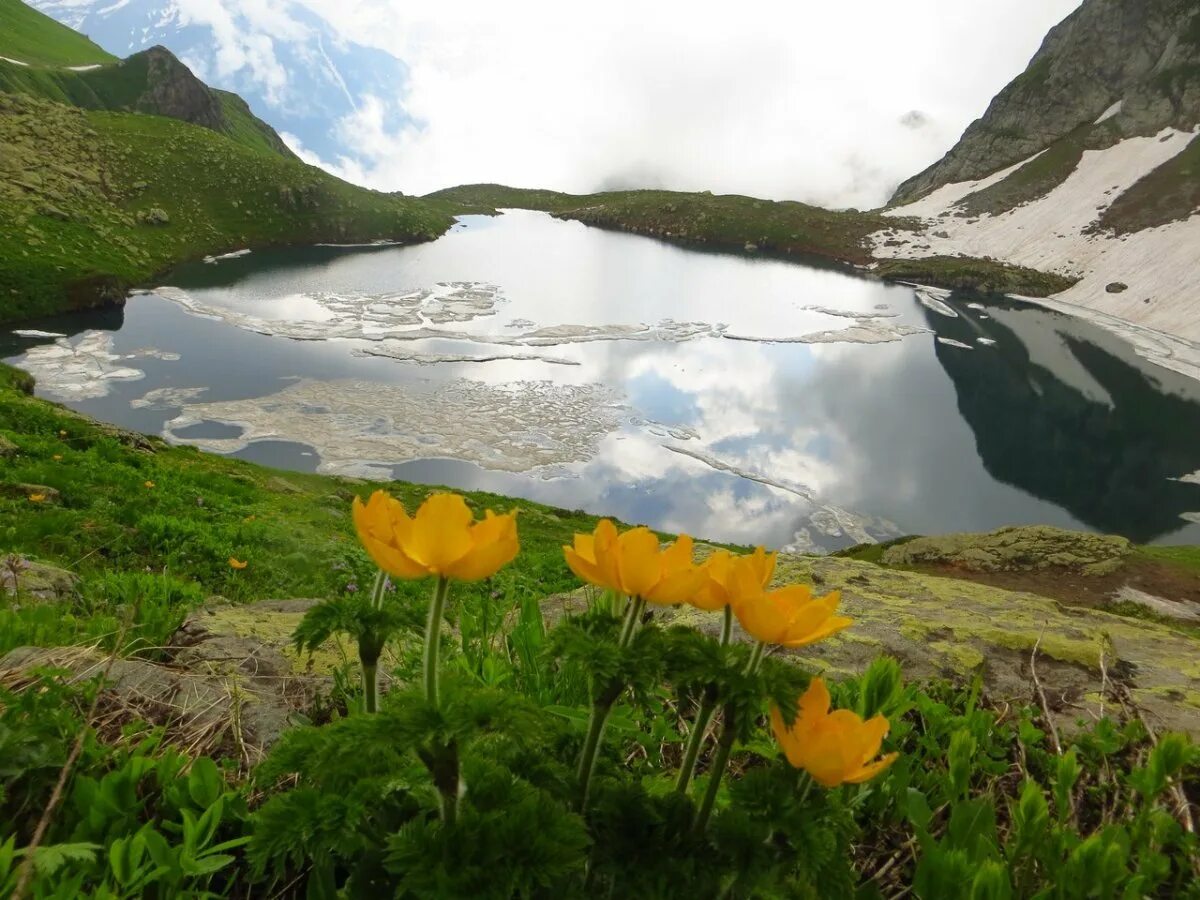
735 397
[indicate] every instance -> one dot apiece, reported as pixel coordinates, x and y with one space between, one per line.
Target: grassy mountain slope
34 38
83 195
733 222
727 221
112 174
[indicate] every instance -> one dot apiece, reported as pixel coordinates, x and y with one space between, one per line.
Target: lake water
712 393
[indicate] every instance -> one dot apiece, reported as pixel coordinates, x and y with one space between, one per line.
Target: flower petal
786 737
641 566
441 533
605 549
494 544
867 772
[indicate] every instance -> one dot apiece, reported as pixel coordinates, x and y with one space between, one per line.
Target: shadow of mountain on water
1106 448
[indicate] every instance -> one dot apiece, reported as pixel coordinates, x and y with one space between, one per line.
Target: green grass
728 221
73 182
32 37
294 530
964 273
133 85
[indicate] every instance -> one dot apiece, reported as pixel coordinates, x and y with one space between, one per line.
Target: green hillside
31 37
112 174
98 201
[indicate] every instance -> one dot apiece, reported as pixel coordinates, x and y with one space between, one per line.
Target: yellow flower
62 433
717 592
441 539
149 484
235 563
633 563
833 747
790 616
57 457
37 498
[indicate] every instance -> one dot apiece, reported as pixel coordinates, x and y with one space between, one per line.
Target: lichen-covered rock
949 627
255 639
1025 548
39 580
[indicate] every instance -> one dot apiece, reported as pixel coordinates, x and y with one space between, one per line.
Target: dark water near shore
690 391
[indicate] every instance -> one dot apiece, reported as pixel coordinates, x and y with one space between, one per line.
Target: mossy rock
256 639
42 581
1018 549
947 627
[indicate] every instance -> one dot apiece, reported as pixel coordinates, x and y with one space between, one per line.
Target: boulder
40 580
233 683
1025 548
946 627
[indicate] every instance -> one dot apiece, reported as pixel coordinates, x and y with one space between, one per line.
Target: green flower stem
433 634
720 761
377 590
699 728
756 657
707 707
603 704
591 745
370 682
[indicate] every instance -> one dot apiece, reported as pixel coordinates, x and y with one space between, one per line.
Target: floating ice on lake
83 367
987 342
234 255
364 428
34 333
931 301
951 342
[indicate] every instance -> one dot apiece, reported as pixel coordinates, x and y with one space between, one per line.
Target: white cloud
786 100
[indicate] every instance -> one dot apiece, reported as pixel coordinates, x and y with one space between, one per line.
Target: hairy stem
603 704
377 589
370 682
433 635
727 626
720 761
756 657
591 747
699 728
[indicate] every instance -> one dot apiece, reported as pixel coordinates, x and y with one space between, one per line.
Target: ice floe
35 333
863 331
416 316
364 428
84 367
168 397
234 255
951 342
1190 517
850 313
932 301
987 342
405 354
823 519
1191 478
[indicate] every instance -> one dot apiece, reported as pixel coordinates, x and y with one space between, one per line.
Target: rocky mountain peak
1136 61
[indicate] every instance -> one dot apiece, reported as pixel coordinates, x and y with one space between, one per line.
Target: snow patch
15 62
1113 110
1051 234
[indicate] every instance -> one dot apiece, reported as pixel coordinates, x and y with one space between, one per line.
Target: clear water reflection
612 384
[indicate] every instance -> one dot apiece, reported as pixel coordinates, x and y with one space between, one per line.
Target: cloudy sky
833 103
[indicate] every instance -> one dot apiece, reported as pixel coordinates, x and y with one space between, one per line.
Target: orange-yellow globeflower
442 539
718 590
790 616
239 564
37 498
634 564
835 747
